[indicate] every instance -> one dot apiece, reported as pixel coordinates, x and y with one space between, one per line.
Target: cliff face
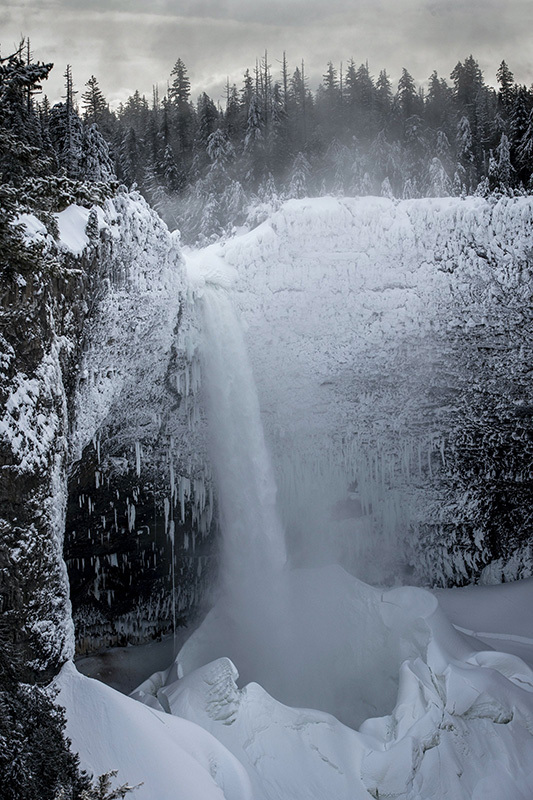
139 518
392 347
99 428
41 322
391 344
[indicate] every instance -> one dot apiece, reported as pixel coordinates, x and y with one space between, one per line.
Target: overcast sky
132 44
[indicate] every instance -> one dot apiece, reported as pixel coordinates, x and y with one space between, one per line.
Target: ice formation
365 692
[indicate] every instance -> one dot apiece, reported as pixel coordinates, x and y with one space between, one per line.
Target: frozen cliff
392 348
100 460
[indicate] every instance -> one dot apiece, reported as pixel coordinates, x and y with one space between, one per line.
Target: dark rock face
139 530
130 579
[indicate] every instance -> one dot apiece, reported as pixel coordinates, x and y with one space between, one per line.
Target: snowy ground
460 722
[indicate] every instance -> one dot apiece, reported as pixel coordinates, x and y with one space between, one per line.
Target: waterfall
251 611
253 539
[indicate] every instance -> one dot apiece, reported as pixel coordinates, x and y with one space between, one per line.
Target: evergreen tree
525 152
221 153
35 757
439 183
299 179
331 87
386 189
183 117
93 102
254 143
235 203
207 115
279 145
95 162
130 162
465 152
500 171
180 90
437 109
232 116
468 82
407 94
22 149
66 131
366 102
299 108
220 149
383 98
518 126
506 82
172 177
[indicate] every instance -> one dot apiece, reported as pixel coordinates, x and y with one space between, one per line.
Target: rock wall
392 347
100 428
140 513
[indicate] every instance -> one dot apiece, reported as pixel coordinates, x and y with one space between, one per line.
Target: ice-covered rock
391 344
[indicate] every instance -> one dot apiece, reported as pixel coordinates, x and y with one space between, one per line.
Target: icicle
138 458
166 507
131 516
172 481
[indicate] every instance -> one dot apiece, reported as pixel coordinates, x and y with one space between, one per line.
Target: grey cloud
131 44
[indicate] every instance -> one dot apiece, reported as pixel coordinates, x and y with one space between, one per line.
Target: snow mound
72 223
171 757
460 722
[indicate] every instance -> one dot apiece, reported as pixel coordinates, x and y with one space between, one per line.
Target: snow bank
460 722
72 223
171 757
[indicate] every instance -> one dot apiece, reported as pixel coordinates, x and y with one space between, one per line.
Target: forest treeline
203 165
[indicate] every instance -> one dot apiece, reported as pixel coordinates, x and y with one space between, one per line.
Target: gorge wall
392 347
103 462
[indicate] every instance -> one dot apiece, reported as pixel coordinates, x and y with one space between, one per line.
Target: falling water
253 535
283 629
253 556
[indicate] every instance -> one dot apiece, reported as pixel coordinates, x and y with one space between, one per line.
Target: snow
34 230
323 686
499 616
170 757
351 307
72 223
450 713
133 329
460 722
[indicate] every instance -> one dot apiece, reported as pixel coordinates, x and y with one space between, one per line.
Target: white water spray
253 535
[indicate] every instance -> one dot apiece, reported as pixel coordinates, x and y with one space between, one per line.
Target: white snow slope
460 724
